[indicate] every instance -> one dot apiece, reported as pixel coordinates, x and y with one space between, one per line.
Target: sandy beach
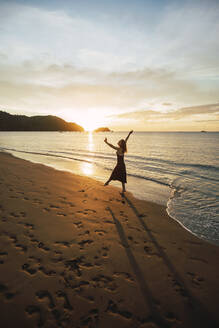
74 253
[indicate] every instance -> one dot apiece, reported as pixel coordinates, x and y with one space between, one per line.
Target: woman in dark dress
119 172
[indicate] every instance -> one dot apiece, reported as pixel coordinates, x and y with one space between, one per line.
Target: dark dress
119 172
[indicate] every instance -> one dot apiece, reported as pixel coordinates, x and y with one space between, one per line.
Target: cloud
177 114
114 41
195 110
59 36
187 33
58 60
167 104
59 86
182 119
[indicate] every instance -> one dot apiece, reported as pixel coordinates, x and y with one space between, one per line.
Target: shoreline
164 202
89 257
164 194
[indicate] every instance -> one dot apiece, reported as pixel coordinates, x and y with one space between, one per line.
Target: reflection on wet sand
87 168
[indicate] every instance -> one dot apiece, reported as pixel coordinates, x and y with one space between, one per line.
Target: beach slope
74 253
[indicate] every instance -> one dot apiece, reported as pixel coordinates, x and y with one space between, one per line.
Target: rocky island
103 129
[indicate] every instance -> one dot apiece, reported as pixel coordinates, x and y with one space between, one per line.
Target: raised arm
109 144
126 139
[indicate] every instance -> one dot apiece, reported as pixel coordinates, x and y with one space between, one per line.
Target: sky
146 65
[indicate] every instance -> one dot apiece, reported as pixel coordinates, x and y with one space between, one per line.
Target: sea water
178 170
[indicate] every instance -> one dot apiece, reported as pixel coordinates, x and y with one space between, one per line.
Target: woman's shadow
198 314
146 292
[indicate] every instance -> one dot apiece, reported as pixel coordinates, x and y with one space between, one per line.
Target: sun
89 124
91 120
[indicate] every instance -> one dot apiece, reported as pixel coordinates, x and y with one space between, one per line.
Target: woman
119 172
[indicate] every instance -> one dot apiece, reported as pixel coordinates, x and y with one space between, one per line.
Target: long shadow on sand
196 311
155 315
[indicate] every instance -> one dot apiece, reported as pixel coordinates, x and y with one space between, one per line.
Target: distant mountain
102 130
10 122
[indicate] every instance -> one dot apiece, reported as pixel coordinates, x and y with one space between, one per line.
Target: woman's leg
107 182
123 187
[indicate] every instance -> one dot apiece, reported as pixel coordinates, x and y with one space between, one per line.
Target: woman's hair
122 144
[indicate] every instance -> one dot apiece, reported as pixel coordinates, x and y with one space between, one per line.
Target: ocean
176 169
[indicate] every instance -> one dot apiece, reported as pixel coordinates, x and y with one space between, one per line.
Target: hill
10 122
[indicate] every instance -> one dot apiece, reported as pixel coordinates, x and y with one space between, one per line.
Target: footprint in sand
23 248
196 280
84 243
108 221
37 201
90 210
42 246
5 292
35 310
33 239
13 238
44 294
57 258
32 265
124 275
54 206
91 319
62 197
113 308
122 214
13 197
70 204
61 214
132 240
67 304
103 281
104 251
15 215
82 212
149 251
47 272
63 243
87 232
46 209
78 224
29 269
28 226
179 288
100 232
3 257
74 265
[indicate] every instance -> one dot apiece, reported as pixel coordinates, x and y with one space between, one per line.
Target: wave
53 154
150 179
143 164
133 159
84 153
178 164
158 170
46 154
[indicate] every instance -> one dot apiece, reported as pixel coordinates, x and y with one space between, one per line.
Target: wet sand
74 253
